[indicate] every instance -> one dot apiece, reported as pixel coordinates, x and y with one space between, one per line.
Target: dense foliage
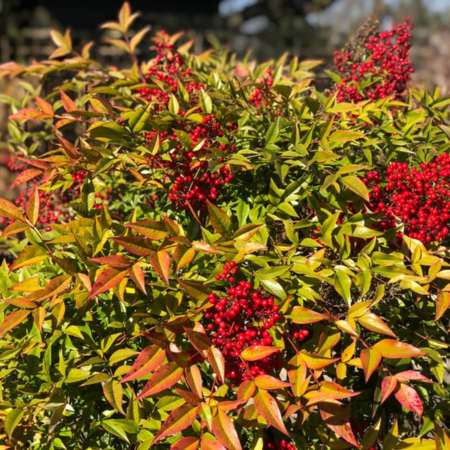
213 254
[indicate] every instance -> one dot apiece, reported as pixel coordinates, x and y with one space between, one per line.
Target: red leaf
12 320
225 432
388 386
337 420
189 443
178 420
389 348
258 352
25 176
137 275
410 399
148 360
370 359
217 362
105 281
267 406
68 103
161 263
116 261
412 375
165 377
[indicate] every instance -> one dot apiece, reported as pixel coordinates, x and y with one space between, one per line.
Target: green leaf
273 132
357 186
13 419
343 136
343 284
219 220
120 428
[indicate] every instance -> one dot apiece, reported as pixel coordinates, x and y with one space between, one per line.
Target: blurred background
310 29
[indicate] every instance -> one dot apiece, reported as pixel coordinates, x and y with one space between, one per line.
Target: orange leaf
209 444
28 257
194 380
106 281
442 304
374 323
14 228
165 377
148 360
137 275
161 263
390 348
338 421
205 248
12 320
225 432
33 206
25 114
113 392
336 390
178 420
25 176
388 386
370 359
258 352
68 103
116 261
410 399
20 302
189 443
305 316
441 438
39 317
267 406
44 106
267 382
11 211
246 390
217 362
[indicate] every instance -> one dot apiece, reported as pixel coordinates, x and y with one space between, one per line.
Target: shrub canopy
212 254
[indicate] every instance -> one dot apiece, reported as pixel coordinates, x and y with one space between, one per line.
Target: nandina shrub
237 264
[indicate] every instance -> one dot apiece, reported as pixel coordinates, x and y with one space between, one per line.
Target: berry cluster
242 318
191 145
417 196
279 445
168 70
376 65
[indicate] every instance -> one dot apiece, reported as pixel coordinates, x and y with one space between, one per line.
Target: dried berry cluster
418 196
191 145
376 65
239 319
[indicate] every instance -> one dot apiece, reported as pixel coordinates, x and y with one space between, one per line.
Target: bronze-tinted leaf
164 378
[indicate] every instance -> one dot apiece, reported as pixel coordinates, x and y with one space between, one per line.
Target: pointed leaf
196 290
114 394
164 378
390 348
106 281
412 375
217 362
11 211
374 323
29 256
12 320
219 220
388 386
68 103
161 263
135 245
410 399
137 275
338 421
258 352
180 419
224 430
267 406
357 186
25 176
150 228
370 360
115 261
33 206
442 304
13 419
148 360
189 443
268 383
305 316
